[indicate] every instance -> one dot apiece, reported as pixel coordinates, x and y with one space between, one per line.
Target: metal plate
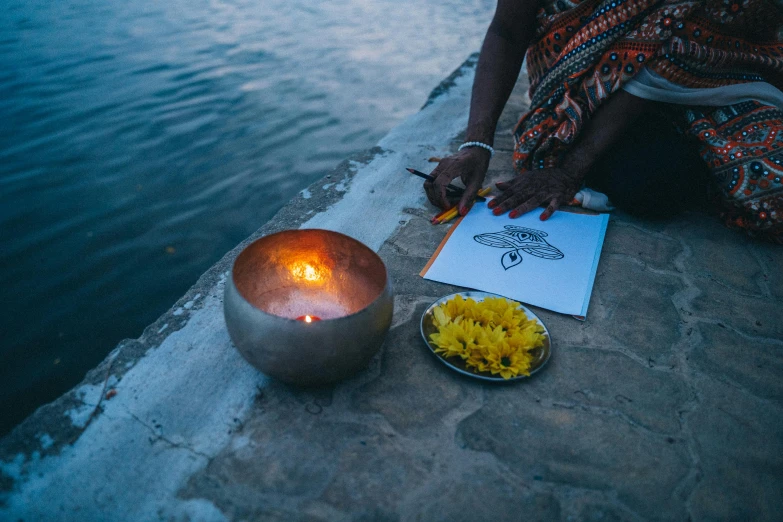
540 355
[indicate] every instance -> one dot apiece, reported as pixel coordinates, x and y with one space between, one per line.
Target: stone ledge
661 406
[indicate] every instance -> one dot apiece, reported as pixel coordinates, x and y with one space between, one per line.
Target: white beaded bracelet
477 144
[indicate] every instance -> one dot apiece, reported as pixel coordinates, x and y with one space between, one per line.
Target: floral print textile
585 51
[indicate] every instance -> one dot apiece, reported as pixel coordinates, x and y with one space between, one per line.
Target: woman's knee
644 198
652 171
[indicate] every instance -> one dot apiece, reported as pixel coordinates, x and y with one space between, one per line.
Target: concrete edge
451 80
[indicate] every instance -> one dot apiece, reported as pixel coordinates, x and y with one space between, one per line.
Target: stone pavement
664 405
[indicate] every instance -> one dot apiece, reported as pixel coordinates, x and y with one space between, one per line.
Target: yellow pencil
454 212
448 216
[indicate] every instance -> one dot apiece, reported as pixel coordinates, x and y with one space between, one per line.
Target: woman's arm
557 186
499 64
497 71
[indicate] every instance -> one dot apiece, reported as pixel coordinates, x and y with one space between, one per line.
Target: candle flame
306 271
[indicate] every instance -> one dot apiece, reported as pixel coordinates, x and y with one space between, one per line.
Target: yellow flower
525 339
478 361
490 337
455 339
482 315
493 335
456 306
508 361
440 318
500 306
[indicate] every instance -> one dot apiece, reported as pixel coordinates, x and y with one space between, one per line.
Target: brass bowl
317 273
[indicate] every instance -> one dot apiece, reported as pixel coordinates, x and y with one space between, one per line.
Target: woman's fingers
441 183
504 186
500 202
436 190
532 189
517 194
469 164
468 197
526 207
510 201
473 179
554 204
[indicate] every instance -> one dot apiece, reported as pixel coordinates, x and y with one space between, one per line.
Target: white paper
550 264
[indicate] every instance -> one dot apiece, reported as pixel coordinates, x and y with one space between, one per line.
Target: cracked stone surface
666 404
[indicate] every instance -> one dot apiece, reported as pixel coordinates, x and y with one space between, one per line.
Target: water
140 141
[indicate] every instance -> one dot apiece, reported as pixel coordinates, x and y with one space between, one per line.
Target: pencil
439 218
448 215
420 174
439 215
452 190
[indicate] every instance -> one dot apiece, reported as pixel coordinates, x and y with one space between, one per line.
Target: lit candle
341 284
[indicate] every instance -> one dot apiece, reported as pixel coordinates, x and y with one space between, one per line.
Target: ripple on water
142 140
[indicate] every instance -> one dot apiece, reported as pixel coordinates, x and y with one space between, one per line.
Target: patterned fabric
586 50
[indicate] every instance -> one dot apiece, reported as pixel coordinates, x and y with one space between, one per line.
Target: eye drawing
517 240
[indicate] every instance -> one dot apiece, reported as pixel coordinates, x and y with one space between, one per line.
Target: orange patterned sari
586 50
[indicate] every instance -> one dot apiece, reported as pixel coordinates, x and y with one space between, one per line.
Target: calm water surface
140 141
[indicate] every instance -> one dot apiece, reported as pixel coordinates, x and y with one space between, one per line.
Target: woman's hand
557 186
552 187
470 165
